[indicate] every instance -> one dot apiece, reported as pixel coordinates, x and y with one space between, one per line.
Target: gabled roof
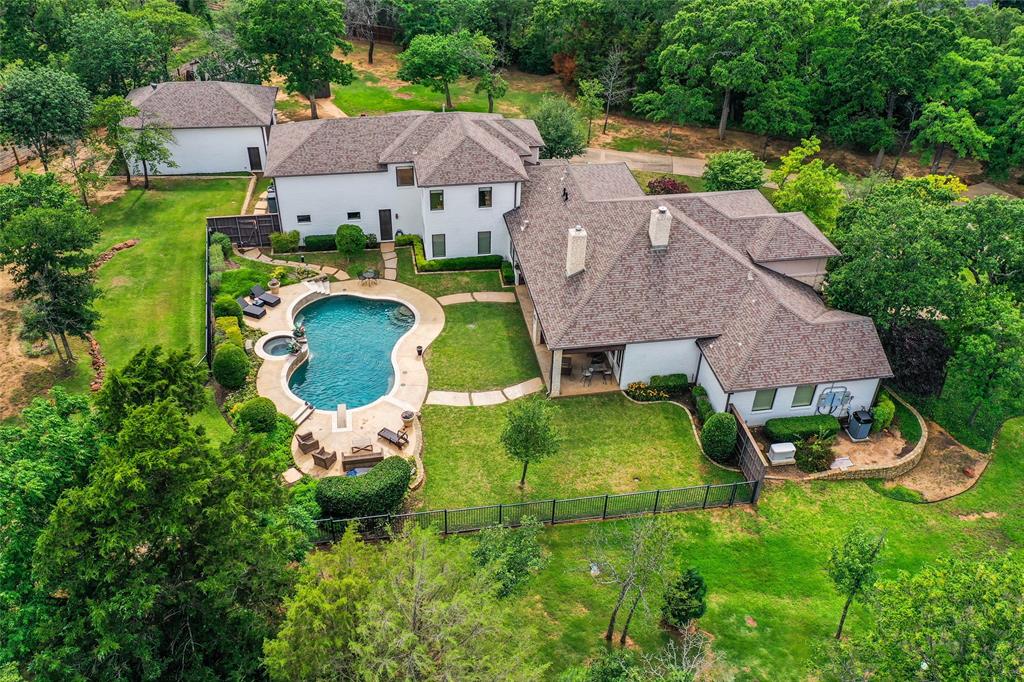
706 285
450 148
204 104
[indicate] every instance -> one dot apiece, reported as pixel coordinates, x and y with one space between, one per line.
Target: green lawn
608 445
443 283
643 177
766 565
354 265
483 346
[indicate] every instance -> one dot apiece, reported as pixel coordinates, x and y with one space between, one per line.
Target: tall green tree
852 567
147 144
588 101
437 61
107 122
494 85
111 52
299 39
43 108
171 562
808 185
943 128
511 556
529 435
169 25
34 190
561 127
732 170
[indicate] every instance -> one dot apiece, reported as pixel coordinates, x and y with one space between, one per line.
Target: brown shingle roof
445 148
205 104
704 285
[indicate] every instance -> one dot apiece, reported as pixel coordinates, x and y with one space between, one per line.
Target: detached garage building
217 127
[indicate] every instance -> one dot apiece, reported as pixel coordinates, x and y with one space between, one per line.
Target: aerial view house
718 286
217 127
449 177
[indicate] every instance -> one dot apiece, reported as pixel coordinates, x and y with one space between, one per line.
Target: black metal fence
597 507
246 230
208 308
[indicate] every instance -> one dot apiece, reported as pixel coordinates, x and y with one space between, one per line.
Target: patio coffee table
361 443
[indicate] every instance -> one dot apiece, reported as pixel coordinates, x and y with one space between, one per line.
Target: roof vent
661 222
576 251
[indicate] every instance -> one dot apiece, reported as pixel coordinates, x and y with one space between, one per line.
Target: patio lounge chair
399 440
250 309
366 459
265 296
324 459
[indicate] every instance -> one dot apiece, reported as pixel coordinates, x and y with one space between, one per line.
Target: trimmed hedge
718 436
216 259
230 366
232 331
670 383
259 414
378 491
883 412
349 239
223 241
492 262
704 408
284 242
215 280
792 429
320 242
225 306
698 391
508 273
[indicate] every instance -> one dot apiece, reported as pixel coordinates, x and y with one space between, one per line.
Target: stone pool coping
408 393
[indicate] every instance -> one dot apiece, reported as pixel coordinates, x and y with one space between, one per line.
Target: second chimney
661 223
576 251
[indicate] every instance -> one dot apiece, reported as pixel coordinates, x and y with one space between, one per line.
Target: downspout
700 361
728 401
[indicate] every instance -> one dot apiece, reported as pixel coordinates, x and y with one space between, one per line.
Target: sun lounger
250 309
399 440
265 296
324 459
366 459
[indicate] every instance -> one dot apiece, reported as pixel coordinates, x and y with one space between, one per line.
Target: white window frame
349 215
308 218
490 243
430 199
490 197
810 401
399 183
433 245
771 405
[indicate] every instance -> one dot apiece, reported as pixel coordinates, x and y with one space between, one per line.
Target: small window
483 197
437 200
437 246
354 215
764 400
483 243
302 219
804 395
405 176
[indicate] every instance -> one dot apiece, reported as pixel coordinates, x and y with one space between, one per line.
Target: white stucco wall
211 150
810 271
462 218
328 199
641 361
863 391
709 381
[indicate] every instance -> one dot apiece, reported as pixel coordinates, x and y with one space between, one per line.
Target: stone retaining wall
883 471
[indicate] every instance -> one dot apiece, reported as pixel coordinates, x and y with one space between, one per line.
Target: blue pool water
350 341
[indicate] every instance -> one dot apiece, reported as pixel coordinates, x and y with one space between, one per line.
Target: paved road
659 163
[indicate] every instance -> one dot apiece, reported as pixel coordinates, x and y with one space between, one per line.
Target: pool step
317 287
303 413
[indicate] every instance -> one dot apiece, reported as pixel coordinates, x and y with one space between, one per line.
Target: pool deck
409 392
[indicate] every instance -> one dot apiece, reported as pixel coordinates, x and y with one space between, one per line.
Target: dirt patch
881 448
947 467
19 373
982 515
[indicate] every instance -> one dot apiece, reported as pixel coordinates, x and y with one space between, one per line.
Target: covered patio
577 371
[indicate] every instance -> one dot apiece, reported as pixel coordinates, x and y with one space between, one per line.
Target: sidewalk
659 163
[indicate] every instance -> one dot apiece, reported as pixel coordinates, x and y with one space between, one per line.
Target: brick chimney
661 223
576 251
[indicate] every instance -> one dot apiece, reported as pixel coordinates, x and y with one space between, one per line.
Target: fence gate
246 230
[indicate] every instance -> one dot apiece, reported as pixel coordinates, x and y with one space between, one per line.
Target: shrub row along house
717 286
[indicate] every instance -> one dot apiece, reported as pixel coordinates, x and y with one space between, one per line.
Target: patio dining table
368 277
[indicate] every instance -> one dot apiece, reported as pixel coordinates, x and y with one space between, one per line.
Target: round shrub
666 185
223 241
378 491
685 599
230 366
225 306
738 169
371 241
883 412
259 414
698 391
718 436
350 240
284 242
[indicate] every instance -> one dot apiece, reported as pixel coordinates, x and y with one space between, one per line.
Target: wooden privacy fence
752 461
246 230
551 512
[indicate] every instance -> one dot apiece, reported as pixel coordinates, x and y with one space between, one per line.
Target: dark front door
386 233
255 162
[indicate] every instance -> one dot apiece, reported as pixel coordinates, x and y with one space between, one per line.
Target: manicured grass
643 177
212 420
443 283
896 492
607 445
483 346
768 565
368 259
639 143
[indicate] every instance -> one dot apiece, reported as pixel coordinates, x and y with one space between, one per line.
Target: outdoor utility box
782 453
859 427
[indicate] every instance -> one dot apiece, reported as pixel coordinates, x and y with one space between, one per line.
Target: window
354 215
302 219
804 395
483 197
483 243
437 200
764 400
437 246
405 177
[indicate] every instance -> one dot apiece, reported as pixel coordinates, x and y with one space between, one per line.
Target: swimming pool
350 340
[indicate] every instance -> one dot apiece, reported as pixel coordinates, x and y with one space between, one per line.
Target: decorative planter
274 285
408 417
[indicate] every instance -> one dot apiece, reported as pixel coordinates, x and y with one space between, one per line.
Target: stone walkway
256 254
478 297
482 398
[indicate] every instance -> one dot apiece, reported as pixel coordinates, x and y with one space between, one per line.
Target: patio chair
308 446
324 458
250 309
399 440
265 296
368 459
